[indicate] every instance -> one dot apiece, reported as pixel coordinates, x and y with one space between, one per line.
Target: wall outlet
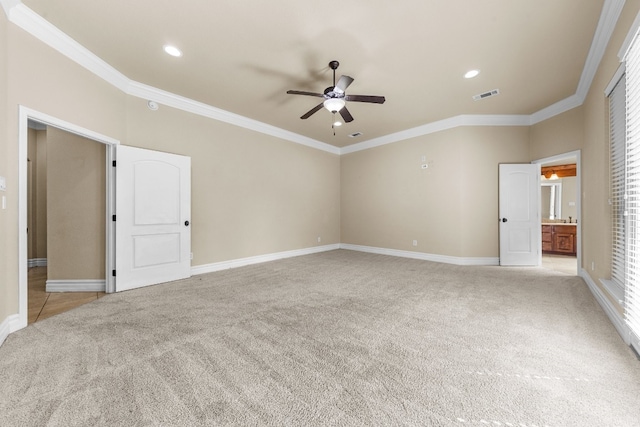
593 265
415 243
319 239
191 255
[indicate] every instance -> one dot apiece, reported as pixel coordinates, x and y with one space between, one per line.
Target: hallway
43 304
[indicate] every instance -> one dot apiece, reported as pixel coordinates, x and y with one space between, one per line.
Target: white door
520 229
153 210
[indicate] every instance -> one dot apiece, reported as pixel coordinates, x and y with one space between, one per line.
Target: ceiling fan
335 97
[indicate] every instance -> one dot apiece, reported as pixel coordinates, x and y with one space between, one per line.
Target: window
632 193
624 128
617 132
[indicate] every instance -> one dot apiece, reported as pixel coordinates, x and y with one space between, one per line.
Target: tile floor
43 304
562 263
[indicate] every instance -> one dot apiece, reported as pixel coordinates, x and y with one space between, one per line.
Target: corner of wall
8 325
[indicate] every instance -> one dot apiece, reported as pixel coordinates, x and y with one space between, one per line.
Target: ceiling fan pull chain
333 125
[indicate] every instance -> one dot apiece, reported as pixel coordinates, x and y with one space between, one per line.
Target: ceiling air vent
486 95
355 134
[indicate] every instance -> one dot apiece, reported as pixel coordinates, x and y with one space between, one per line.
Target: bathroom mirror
550 200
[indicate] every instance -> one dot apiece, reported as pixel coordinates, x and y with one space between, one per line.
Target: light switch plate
3 183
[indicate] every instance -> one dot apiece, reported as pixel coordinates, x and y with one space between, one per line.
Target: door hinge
113 217
113 163
113 273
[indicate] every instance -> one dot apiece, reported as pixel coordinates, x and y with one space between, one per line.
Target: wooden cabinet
547 239
559 239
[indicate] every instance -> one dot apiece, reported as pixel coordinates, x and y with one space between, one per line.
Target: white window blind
632 282
618 129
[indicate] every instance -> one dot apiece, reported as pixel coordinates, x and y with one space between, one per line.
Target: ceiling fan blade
346 115
343 84
312 111
365 98
301 92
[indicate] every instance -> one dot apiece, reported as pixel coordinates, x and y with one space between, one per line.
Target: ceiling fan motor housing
335 97
328 92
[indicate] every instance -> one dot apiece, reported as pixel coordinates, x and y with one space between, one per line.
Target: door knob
504 219
186 223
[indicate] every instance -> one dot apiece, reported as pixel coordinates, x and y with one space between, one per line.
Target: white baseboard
37 262
75 285
241 262
613 314
8 325
424 256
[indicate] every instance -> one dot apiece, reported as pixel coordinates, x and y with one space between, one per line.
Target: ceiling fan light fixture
334 104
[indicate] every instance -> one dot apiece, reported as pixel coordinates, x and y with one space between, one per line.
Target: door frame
570 155
24 115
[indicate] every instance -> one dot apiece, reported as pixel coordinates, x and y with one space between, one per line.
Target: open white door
519 187
153 210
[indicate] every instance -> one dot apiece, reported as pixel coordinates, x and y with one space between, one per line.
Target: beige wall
558 135
41 195
32 191
589 124
569 195
596 210
37 194
252 194
76 207
450 208
45 81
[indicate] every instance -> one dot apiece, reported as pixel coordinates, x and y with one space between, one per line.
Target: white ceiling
242 56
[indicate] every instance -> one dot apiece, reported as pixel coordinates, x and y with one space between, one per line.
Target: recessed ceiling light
471 74
172 50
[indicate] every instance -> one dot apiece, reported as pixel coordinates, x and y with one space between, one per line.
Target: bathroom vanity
559 238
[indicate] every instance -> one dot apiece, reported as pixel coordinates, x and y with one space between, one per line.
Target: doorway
561 212
26 114
66 220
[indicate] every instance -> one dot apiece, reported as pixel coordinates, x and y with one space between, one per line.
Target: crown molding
7 5
34 24
611 11
631 35
46 32
43 30
440 125
555 109
143 91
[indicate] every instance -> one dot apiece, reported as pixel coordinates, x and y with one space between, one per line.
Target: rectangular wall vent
486 95
353 135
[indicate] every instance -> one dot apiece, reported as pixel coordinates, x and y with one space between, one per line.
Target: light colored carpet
334 339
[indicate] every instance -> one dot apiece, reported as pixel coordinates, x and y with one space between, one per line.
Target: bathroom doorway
560 213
